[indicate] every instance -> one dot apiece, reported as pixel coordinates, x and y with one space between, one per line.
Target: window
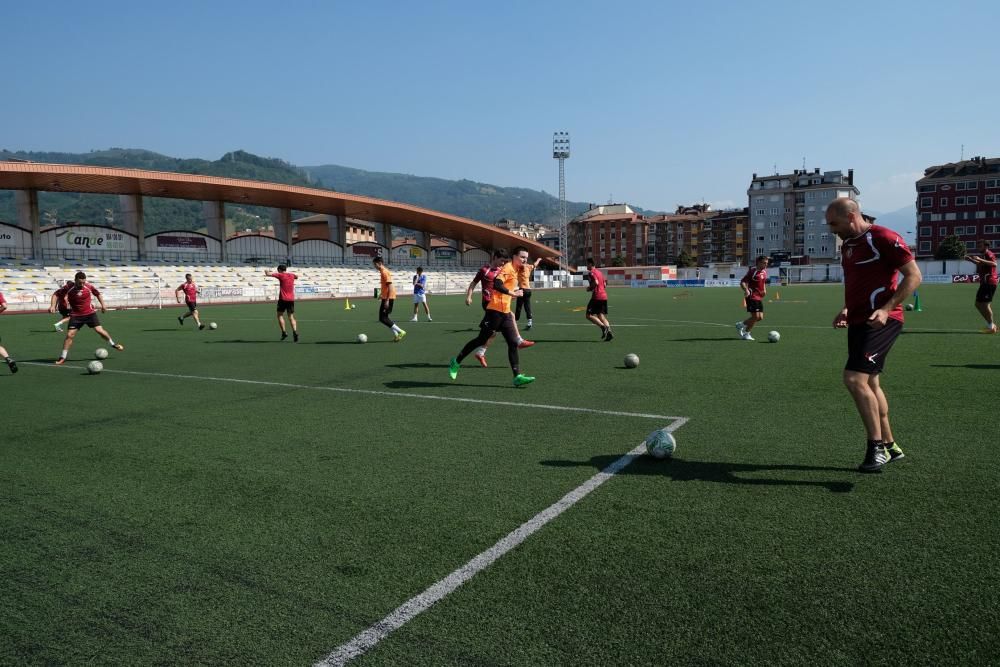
942 231
959 186
971 201
810 250
810 237
925 231
927 188
991 229
925 246
760 211
926 202
990 199
971 185
970 245
759 200
993 183
935 217
810 195
944 201
980 215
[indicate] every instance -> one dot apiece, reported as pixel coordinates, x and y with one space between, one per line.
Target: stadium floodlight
560 151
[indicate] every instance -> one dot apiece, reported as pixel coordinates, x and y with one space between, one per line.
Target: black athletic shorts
78 322
192 305
485 303
64 312
385 307
755 306
985 293
495 321
597 307
867 348
286 306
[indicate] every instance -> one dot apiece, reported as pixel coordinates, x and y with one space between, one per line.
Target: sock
111 342
519 341
480 352
395 329
63 354
876 443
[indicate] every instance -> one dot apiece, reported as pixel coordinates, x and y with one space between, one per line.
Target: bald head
843 216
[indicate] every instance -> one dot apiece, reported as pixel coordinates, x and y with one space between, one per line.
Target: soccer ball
631 360
909 306
353 306
100 353
362 338
660 444
95 367
774 336
213 325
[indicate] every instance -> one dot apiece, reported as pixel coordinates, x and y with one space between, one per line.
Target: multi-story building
609 234
527 230
787 213
959 199
707 236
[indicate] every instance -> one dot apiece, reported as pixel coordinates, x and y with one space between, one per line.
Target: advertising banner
6 240
189 243
90 239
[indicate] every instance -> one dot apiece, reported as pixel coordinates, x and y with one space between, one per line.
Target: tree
950 248
685 260
618 261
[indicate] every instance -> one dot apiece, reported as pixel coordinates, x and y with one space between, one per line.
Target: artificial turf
162 513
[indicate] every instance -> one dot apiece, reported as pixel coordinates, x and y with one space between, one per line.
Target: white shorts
419 298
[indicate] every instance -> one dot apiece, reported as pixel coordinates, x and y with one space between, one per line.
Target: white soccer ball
909 306
353 306
101 353
774 336
660 444
631 360
362 338
95 367
213 325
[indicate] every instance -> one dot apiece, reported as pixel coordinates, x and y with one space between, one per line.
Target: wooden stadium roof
121 181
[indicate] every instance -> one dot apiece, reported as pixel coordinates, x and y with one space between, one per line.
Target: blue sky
666 103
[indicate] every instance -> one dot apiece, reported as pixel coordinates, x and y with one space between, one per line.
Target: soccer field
220 497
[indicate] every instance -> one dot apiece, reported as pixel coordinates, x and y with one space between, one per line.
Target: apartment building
960 199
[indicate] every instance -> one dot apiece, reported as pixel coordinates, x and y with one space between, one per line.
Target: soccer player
986 267
286 300
420 294
871 256
524 301
11 364
81 312
191 293
499 318
754 285
484 277
597 307
387 297
58 300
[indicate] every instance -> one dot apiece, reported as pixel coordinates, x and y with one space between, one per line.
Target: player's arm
498 286
590 282
840 321
177 294
267 272
52 303
472 286
986 262
911 281
100 300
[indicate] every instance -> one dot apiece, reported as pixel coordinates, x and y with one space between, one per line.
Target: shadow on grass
255 342
349 342
681 470
727 339
416 384
931 332
978 367
417 364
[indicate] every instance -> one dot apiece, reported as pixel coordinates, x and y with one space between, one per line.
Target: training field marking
372 392
419 603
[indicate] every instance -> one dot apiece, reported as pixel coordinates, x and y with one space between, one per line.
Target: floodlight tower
560 151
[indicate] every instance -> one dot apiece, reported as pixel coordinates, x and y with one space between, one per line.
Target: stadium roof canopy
16 175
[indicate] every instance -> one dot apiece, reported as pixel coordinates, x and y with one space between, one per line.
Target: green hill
469 199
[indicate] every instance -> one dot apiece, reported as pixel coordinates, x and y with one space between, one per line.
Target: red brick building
959 199
606 234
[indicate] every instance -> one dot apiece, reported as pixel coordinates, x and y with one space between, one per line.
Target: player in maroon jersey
871 256
597 307
82 313
754 286
986 267
11 364
191 293
58 301
286 300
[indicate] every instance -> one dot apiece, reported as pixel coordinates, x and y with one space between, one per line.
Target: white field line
372 392
419 603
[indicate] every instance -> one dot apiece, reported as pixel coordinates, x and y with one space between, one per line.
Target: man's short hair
187 275
420 269
282 267
590 261
500 253
377 259
762 258
518 249
80 275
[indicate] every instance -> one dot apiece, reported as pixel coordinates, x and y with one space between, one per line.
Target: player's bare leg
986 310
197 320
281 325
894 450
6 357
866 401
295 327
102 332
67 343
